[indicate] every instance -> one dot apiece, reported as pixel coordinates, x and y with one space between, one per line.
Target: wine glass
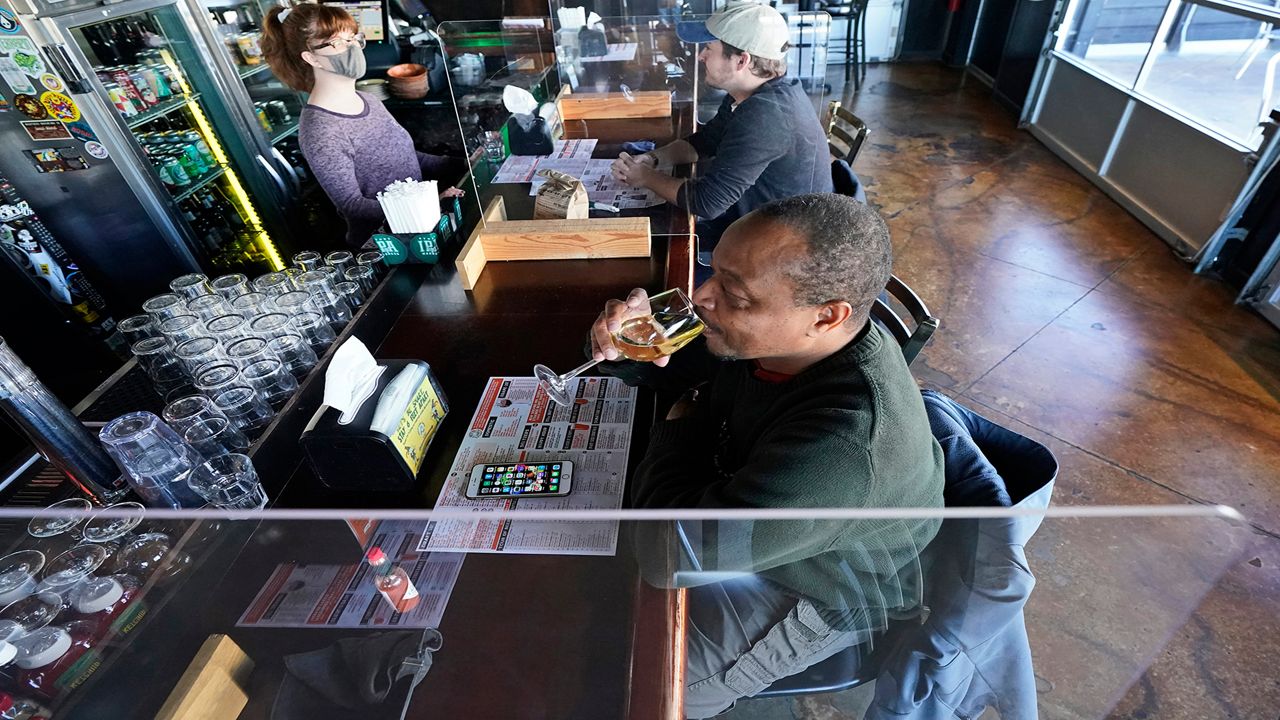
668 324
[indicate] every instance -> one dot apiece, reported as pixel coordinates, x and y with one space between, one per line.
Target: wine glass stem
578 370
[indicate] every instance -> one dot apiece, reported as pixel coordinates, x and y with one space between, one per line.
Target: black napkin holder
352 457
592 43
529 135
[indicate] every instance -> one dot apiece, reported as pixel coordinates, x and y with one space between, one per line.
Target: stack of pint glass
193 458
234 339
227 354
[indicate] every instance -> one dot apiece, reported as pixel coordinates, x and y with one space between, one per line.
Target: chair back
844 181
845 133
911 340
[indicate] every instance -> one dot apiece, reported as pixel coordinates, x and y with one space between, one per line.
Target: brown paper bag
561 197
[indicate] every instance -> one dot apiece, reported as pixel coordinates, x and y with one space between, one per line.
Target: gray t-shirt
769 147
354 157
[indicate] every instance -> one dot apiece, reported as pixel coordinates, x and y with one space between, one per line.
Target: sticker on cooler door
51 82
81 131
24 54
60 106
96 149
45 130
28 105
13 76
57 159
8 23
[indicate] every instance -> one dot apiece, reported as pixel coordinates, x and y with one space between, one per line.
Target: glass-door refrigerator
175 120
272 109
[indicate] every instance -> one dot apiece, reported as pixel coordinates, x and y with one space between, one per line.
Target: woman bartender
354 146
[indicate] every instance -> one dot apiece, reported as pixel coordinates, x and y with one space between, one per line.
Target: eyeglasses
340 43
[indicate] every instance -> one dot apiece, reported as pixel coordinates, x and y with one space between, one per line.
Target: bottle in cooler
247 45
177 172
144 89
262 117
195 139
170 78
125 81
192 153
120 100
189 165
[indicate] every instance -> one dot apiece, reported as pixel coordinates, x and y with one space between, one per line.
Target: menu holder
419 248
497 238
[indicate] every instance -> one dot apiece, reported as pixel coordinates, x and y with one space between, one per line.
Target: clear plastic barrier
635 83
624 84
602 613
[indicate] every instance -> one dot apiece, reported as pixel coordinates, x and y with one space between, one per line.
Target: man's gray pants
744 634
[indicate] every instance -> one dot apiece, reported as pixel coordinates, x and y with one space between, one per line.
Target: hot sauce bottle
392 581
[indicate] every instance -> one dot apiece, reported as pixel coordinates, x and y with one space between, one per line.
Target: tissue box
421 248
352 457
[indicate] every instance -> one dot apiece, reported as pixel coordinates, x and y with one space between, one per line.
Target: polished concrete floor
1066 319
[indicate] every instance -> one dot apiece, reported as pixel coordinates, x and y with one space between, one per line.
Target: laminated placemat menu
516 422
344 596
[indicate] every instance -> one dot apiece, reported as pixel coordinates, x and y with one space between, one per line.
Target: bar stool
855 35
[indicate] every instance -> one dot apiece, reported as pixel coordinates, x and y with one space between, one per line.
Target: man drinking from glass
801 402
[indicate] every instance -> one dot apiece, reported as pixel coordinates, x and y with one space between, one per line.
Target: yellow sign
60 106
419 423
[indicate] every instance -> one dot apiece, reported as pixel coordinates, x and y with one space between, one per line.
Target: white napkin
518 100
350 379
572 18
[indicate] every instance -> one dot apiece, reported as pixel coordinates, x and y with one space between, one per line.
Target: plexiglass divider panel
631 88
620 84
597 613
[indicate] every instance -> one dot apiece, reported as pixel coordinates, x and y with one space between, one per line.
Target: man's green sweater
849 432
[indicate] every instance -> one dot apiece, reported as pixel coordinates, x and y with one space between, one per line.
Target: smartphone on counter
551 478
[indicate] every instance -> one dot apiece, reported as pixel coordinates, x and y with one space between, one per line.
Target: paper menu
524 168
516 421
597 177
573 157
618 52
343 596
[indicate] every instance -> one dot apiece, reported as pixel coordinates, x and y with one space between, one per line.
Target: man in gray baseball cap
766 141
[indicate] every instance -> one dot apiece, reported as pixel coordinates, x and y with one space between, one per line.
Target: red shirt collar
768 376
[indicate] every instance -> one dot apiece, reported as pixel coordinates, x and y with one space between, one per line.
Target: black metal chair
855 35
846 133
911 339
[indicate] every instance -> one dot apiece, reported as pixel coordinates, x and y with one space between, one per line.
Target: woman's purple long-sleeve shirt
354 157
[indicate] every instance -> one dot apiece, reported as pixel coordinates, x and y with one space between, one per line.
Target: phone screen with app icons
538 479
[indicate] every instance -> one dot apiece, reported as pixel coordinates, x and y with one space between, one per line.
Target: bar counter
529 636
555 636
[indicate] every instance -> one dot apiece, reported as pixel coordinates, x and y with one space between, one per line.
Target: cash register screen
368 13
